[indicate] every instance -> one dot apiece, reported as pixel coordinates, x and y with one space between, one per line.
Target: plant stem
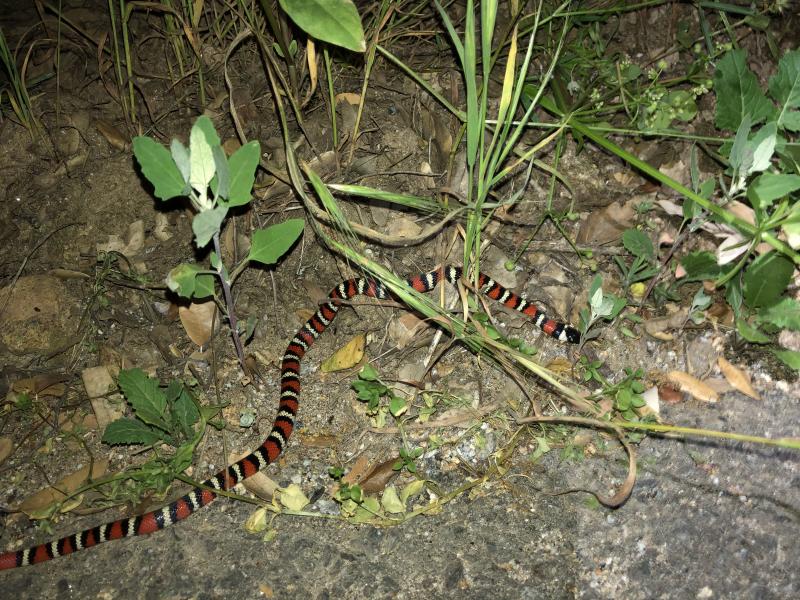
226 292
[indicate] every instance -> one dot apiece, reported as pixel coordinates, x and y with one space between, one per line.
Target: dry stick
625 489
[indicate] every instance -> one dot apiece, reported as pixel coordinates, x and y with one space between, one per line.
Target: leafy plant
602 306
161 416
214 184
17 95
764 172
644 264
371 390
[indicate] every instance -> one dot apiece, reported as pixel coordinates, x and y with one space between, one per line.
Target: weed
214 184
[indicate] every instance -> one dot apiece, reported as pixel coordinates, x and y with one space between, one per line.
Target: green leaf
368 373
185 412
738 92
180 154
183 457
207 223
130 431
637 243
766 279
221 182
763 145
768 187
159 168
190 281
791 358
269 244
397 406
200 155
784 86
784 314
242 166
700 266
739 158
148 401
333 21
750 333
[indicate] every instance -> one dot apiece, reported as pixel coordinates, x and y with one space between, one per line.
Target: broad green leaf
750 333
637 243
785 314
700 266
180 154
269 244
763 145
784 86
142 392
768 187
766 279
130 431
220 184
791 358
368 373
739 158
242 164
333 21
738 92
189 281
207 223
185 412
201 156
159 168
183 457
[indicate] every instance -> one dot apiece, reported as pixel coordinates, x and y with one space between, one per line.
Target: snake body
283 425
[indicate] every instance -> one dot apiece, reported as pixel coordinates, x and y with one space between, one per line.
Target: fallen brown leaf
693 386
347 356
59 490
197 320
737 378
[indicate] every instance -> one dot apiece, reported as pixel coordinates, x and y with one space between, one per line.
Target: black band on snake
283 425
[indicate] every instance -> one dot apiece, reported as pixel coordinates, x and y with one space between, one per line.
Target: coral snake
284 421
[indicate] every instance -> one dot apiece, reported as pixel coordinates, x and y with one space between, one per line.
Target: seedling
214 185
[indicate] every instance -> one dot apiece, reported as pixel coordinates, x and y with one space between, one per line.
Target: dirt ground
706 518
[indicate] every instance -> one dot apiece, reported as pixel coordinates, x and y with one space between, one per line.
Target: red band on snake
283 425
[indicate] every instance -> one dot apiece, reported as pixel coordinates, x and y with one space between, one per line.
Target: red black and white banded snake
283 425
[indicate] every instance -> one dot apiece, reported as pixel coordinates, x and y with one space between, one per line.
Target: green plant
644 265
602 306
17 95
169 420
371 389
764 172
214 184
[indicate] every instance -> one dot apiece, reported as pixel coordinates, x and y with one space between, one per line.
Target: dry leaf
347 356
737 378
6 447
259 483
113 135
59 490
198 319
357 471
379 476
403 329
349 97
693 386
46 384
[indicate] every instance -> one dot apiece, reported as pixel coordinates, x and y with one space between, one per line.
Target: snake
284 422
